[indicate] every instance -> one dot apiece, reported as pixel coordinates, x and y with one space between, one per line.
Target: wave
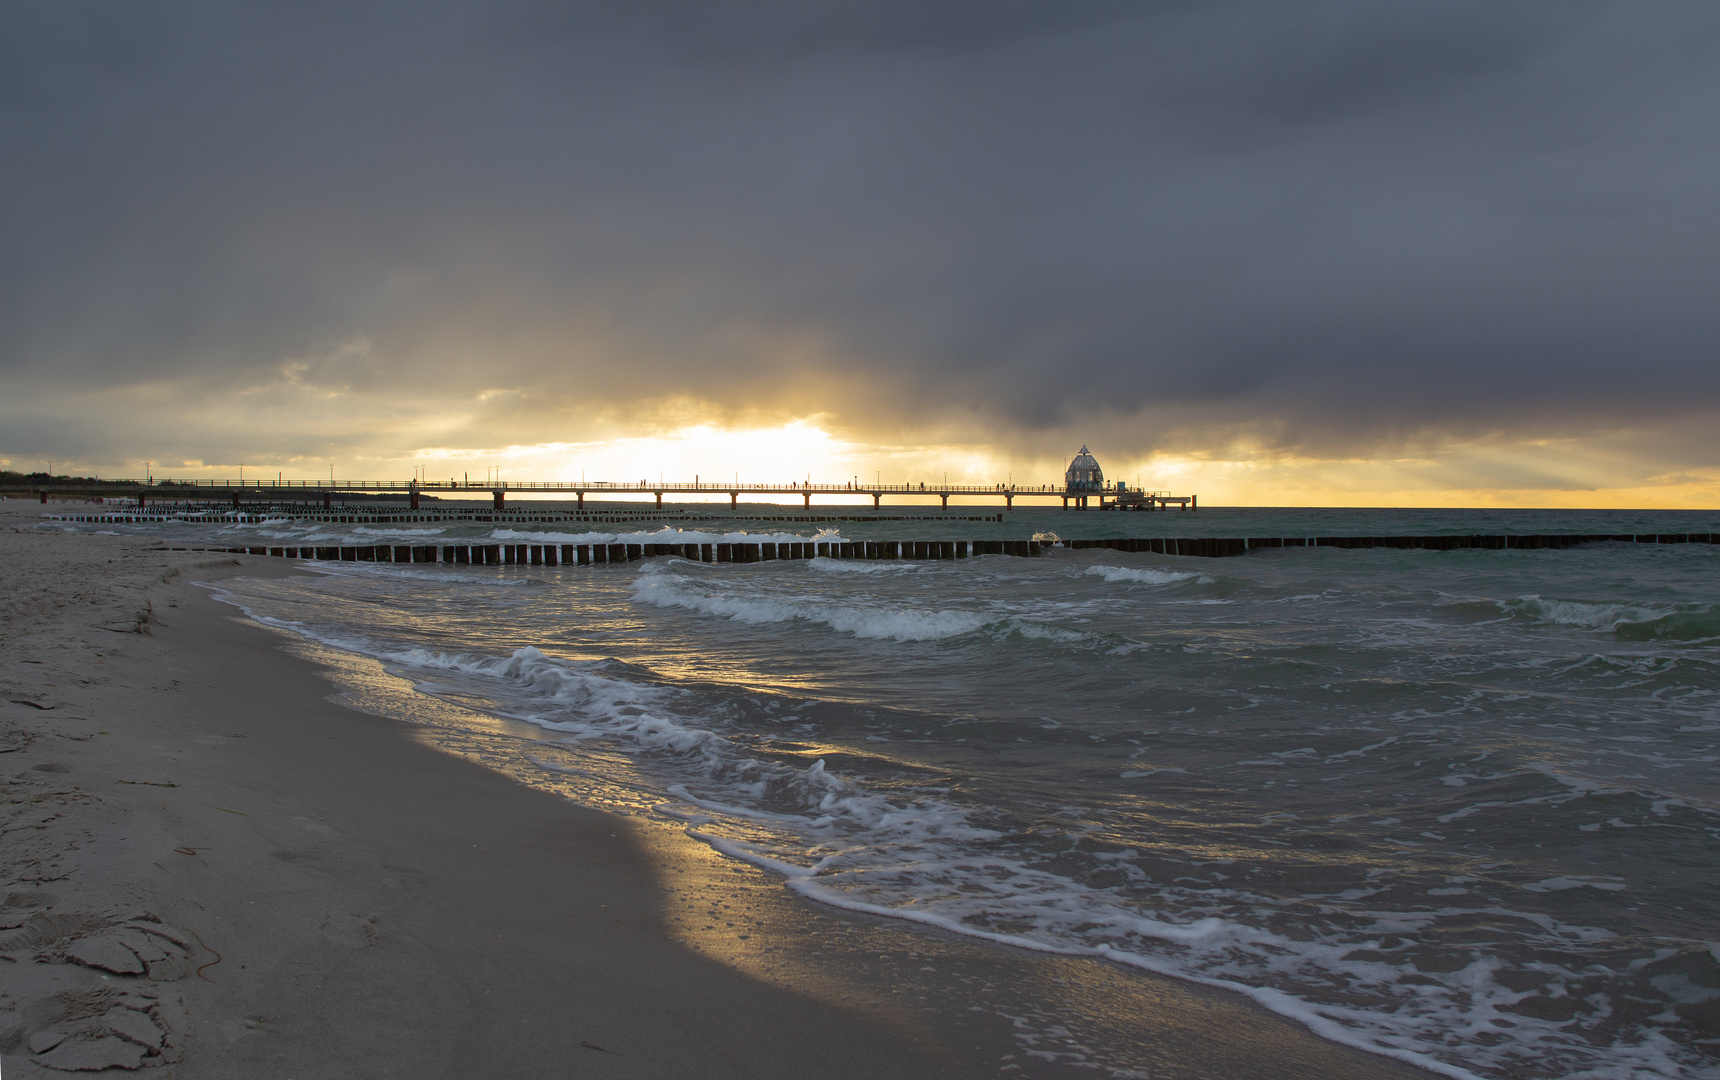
592 700
1692 625
898 624
414 572
1145 575
1633 622
853 566
665 535
365 530
872 621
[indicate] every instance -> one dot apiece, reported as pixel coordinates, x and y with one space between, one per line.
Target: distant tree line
9 477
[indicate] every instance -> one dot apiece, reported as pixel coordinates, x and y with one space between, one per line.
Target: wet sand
212 864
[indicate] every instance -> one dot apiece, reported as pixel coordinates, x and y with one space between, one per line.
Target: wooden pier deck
301 491
387 514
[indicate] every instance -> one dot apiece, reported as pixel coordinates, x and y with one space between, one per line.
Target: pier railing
644 487
148 487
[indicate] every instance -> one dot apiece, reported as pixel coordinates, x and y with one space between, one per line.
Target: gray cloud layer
1321 223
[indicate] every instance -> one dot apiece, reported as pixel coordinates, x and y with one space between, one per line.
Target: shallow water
1460 807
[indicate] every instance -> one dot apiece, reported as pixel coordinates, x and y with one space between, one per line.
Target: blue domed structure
1084 473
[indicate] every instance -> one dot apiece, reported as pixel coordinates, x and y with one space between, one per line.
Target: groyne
1221 547
1198 547
598 554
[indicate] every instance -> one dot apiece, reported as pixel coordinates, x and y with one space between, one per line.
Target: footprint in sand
355 931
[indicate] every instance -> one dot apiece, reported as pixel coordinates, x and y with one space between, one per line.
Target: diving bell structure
1084 474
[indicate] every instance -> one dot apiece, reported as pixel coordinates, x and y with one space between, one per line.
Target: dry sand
211 867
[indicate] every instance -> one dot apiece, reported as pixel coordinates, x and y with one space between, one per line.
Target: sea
1461 808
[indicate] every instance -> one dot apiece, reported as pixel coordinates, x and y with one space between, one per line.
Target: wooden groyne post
923 550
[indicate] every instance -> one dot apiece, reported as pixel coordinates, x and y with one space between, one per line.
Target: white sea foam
366 530
855 566
664 535
1145 575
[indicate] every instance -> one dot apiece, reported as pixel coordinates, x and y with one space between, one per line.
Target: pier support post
140 498
1008 501
877 500
415 497
328 500
1194 502
501 499
582 500
659 500
946 499
809 500
734 499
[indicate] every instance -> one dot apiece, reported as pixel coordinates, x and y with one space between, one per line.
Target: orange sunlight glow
796 451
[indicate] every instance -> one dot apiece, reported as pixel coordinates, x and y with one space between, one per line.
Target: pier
381 513
237 492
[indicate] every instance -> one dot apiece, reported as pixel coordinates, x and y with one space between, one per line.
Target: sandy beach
214 865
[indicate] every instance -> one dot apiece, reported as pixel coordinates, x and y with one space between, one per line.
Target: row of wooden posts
1209 547
589 554
1219 547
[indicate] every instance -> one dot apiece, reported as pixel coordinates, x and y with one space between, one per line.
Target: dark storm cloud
1328 222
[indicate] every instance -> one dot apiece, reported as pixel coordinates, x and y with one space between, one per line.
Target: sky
1306 253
